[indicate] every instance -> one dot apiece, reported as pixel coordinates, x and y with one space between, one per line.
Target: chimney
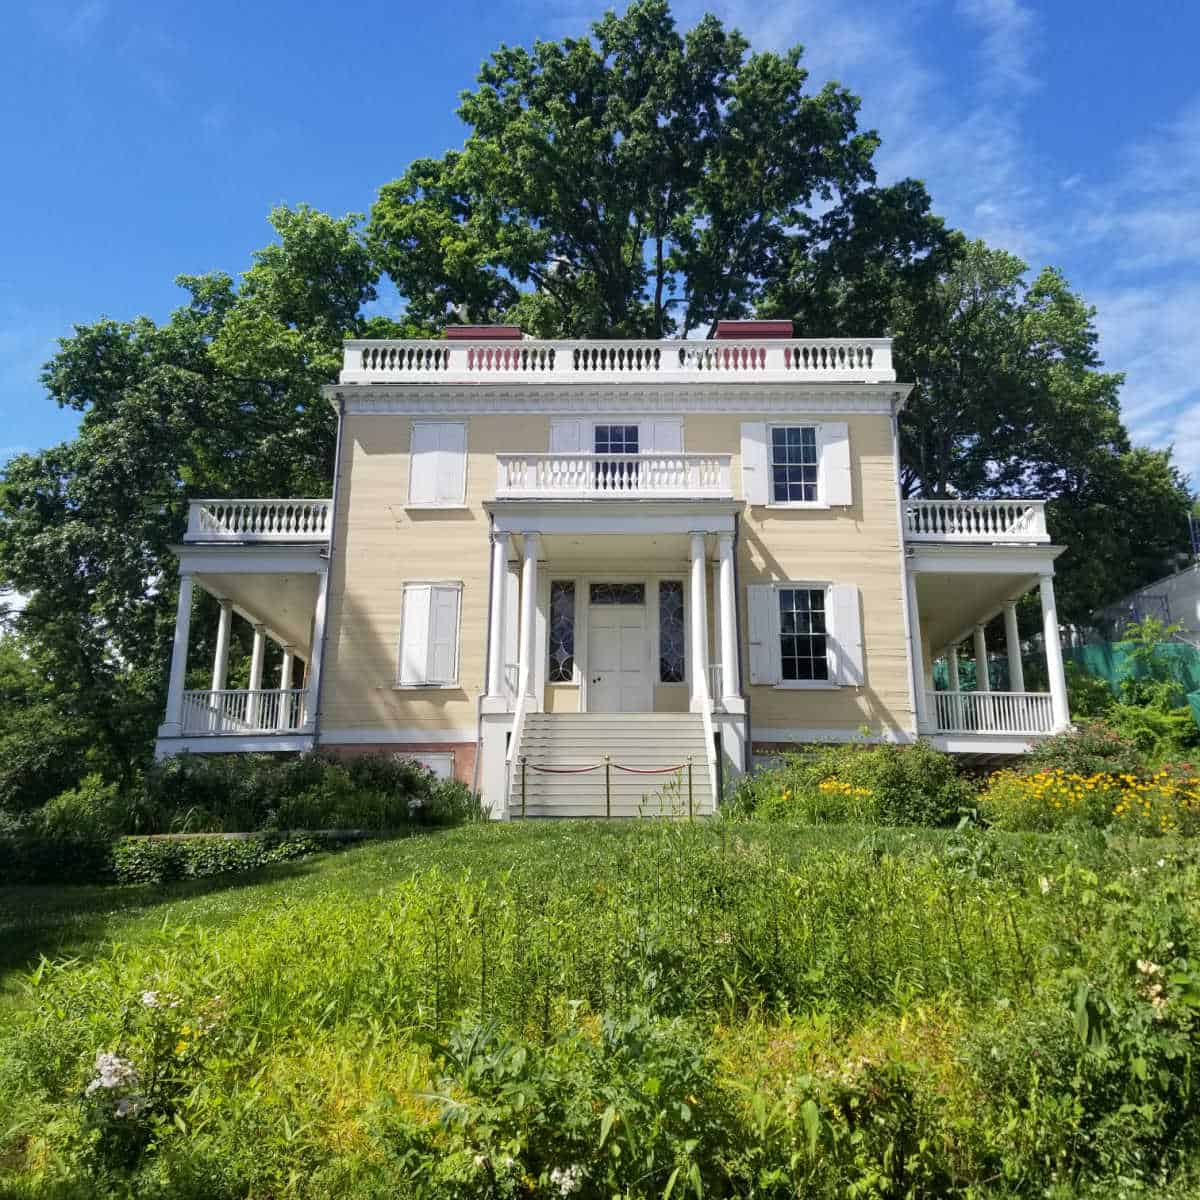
483 333
753 330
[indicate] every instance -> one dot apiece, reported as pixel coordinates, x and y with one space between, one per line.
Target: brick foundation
464 753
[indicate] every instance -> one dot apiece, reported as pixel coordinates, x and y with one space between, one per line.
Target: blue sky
144 140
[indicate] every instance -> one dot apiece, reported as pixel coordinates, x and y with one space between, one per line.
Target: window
617 593
616 475
562 631
794 464
429 635
803 641
437 475
670 631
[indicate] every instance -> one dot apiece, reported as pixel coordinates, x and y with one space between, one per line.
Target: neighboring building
544 557
1174 600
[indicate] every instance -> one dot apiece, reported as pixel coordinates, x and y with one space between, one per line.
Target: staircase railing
512 758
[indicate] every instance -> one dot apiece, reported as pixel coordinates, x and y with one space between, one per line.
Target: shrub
94 808
28 855
161 860
1088 695
1091 748
1148 805
886 785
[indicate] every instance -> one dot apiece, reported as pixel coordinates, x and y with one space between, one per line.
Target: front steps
564 741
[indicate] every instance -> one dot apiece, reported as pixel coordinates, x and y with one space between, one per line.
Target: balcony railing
991 712
264 710
258 521
820 360
975 521
613 476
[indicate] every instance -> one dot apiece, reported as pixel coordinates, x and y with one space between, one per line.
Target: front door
618 650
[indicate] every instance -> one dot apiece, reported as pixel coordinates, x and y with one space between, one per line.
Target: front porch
266 563
968 563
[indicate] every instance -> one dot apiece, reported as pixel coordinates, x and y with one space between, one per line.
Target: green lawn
748 1009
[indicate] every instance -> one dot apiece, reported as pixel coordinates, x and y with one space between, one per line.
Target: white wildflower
1045 885
1146 967
723 939
568 1180
150 999
112 1072
1162 862
480 1162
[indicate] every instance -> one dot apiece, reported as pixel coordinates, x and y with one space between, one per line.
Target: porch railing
991 712
258 521
635 360
232 710
975 521
613 476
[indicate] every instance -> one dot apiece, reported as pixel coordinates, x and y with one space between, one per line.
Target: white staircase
555 746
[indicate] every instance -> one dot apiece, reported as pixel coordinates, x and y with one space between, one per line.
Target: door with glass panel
618 649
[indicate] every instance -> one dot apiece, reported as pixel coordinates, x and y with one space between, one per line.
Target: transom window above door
616 439
617 593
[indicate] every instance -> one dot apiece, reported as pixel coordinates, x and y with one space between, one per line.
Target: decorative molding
797 400
804 735
234 743
246 559
925 558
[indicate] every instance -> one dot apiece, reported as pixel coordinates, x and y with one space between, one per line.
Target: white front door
618 659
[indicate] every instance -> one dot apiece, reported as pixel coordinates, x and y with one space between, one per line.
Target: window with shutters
438 465
803 635
429 635
615 474
795 464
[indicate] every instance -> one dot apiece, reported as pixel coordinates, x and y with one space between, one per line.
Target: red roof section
754 329
483 333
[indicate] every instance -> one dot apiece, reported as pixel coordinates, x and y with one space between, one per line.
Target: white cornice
410 399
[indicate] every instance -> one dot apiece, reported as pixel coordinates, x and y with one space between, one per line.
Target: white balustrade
992 712
258 521
975 521
273 710
613 476
819 359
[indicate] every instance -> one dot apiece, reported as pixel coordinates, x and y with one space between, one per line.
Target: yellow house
569 572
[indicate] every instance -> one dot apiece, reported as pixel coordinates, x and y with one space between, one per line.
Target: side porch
969 563
266 563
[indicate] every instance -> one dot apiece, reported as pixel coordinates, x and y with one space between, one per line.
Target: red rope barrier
564 770
650 770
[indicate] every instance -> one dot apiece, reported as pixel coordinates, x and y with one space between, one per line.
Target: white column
982 682
315 651
699 624
1012 643
728 617
221 657
1054 659
285 686
257 655
525 672
495 675
952 668
173 724
918 652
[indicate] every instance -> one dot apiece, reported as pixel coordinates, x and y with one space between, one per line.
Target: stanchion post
608 787
689 762
523 787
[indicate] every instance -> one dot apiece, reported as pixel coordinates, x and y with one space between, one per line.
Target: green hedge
160 860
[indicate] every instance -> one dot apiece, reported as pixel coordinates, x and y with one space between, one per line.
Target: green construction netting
1194 704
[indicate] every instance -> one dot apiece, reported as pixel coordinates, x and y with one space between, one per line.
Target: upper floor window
616 474
794 464
616 439
437 476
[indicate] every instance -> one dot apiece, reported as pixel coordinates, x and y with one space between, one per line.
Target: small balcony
264 521
528 360
613 476
960 522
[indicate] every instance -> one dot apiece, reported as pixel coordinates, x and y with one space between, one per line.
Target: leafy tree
222 399
637 182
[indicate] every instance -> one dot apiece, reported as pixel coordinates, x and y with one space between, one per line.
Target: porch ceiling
614 551
952 603
283 603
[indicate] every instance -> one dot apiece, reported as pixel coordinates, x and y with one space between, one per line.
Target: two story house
571 572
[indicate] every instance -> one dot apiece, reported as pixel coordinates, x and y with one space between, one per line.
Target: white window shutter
423 463
443 635
847 633
834 439
755 468
764 641
414 634
452 463
566 437
665 436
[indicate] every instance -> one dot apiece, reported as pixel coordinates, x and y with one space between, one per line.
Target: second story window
617 474
794 464
437 476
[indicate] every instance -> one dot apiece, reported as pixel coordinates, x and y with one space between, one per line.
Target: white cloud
1010 40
